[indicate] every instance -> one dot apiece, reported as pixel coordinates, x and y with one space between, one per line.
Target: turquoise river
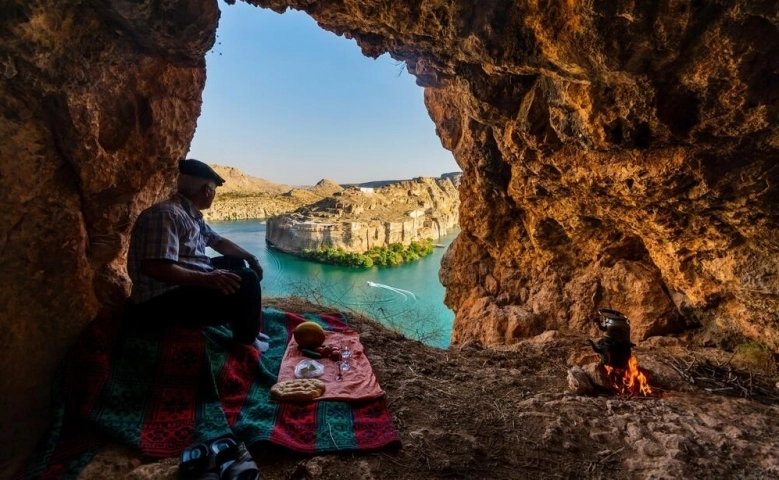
408 298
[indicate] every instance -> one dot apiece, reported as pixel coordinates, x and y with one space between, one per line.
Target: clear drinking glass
346 354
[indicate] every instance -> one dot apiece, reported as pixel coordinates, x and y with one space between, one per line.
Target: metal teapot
615 346
616 325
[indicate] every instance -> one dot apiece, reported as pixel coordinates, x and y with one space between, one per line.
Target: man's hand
223 280
254 264
228 248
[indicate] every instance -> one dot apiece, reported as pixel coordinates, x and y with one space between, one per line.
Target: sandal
233 460
198 463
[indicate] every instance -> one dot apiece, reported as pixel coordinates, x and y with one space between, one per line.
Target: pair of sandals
220 459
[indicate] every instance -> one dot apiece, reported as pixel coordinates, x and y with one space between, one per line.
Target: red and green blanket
160 391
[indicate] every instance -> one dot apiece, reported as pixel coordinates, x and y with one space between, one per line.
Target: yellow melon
309 335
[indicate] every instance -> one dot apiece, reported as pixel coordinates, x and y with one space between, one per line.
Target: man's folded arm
228 247
173 274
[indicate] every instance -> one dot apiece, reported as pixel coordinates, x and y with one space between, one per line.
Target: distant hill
373 184
326 188
244 197
453 176
238 182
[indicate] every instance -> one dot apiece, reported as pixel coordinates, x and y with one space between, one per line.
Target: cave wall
616 154
98 101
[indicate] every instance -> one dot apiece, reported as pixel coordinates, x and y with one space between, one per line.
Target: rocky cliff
244 197
358 219
615 154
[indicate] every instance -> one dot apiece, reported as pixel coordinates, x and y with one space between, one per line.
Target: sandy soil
470 412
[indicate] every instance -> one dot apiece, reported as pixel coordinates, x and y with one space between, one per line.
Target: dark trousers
198 306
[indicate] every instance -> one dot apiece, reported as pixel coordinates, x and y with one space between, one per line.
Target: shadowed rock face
616 154
98 101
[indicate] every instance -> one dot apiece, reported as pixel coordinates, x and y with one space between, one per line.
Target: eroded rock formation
615 154
357 220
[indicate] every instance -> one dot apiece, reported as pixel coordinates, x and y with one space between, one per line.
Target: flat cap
196 168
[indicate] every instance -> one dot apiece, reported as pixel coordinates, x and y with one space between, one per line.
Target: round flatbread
299 390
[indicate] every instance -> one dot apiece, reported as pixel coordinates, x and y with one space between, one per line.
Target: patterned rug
160 391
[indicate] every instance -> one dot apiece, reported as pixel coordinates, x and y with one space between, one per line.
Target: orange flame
630 381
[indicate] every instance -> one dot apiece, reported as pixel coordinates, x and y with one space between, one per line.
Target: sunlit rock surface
358 219
244 197
616 154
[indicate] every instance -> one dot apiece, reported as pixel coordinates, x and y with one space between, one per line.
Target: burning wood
629 381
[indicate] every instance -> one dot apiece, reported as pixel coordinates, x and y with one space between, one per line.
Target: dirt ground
471 412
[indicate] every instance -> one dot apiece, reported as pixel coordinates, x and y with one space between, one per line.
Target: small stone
545 337
571 447
578 381
582 357
597 375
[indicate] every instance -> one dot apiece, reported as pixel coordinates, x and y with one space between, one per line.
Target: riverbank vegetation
394 254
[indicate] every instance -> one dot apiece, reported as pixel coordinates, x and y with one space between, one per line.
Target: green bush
393 255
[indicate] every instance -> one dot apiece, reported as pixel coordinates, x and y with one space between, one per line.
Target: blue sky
292 103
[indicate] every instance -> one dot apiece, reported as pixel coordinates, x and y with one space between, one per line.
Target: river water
408 298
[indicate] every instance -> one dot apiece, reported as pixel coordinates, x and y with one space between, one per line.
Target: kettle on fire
616 325
615 346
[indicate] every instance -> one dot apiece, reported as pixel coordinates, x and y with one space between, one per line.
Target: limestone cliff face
357 220
615 154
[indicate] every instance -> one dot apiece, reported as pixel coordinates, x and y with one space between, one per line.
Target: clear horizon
293 104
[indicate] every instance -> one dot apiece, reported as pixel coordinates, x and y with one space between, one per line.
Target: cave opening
290 103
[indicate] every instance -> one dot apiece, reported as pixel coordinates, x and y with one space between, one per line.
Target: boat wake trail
404 293
273 260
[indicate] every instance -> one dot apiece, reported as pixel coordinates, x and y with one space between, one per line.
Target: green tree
394 254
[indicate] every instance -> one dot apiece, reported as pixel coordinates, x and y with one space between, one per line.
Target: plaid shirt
171 230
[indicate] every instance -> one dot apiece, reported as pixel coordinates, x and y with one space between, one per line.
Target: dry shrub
754 356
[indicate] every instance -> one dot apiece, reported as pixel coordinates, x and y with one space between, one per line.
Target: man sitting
175 282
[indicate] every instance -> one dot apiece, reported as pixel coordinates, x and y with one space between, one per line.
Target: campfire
629 381
615 350
618 371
